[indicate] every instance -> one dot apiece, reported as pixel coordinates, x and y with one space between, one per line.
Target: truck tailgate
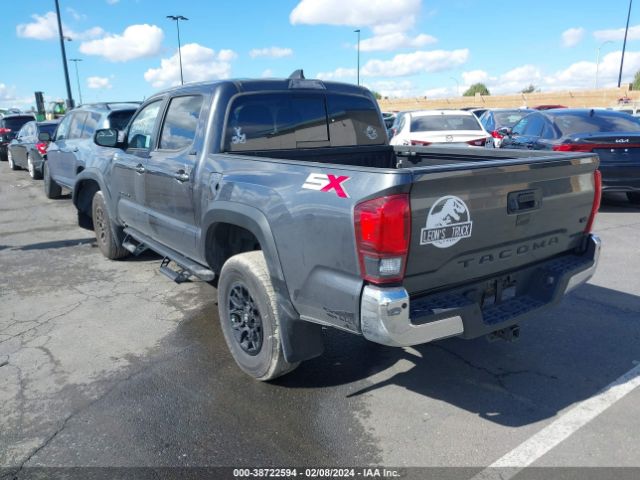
473 221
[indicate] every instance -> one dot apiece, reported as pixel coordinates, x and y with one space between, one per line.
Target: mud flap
301 340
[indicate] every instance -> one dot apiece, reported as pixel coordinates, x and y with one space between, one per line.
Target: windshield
434 123
509 119
599 122
120 119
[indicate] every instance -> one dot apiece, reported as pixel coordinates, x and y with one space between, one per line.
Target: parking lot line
553 434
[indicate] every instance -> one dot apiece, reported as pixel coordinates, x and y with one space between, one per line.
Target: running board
187 266
133 246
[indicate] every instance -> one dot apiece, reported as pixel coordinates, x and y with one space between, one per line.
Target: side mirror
505 131
44 136
106 137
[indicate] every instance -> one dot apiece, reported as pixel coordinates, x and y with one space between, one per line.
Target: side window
120 119
534 126
91 124
63 128
179 128
520 127
24 131
402 123
141 129
77 123
548 132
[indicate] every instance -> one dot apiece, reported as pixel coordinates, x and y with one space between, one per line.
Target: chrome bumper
385 313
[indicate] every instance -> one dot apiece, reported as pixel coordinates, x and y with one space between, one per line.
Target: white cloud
475 76
393 89
76 15
99 82
268 73
417 62
582 74
45 27
198 63
271 52
393 41
8 98
137 41
338 74
383 16
617 34
572 37
112 2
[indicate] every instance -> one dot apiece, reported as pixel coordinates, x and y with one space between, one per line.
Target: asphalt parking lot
110 364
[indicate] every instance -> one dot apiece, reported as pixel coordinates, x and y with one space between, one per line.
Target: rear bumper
390 317
616 178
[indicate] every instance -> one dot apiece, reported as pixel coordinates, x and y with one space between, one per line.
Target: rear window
16 123
434 123
289 121
600 121
120 119
48 128
509 119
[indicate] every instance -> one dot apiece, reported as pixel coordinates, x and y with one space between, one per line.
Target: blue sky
408 47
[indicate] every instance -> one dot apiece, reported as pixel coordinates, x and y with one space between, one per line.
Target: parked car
498 118
614 136
426 127
630 108
27 150
9 126
477 111
391 131
389 118
549 107
72 146
286 194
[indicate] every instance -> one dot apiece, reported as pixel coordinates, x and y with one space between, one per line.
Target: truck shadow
564 357
616 203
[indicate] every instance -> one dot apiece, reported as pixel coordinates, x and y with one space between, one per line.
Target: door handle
140 168
524 201
181 176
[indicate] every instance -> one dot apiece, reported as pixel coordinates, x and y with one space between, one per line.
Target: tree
480 88
376 95
636 81
530 89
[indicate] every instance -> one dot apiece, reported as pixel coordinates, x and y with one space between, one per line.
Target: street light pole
64 58
598 61
457 86
75 61
177 19
358 70
624 44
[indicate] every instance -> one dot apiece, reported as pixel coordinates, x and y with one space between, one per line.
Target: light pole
177 19
624 44
64 58
598 60
457 86
358 70
75 61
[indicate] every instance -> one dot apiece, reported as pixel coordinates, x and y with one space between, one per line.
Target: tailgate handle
524 201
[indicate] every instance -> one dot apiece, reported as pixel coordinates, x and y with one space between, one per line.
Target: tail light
383 229
42 148
597 195
573 147
4 131
477 143
495 134
420 143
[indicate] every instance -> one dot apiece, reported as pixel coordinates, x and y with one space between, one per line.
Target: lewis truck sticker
448 222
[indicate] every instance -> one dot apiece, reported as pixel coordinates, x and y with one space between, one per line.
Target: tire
249 317
634 197
102 225
51 188
12 164
33 172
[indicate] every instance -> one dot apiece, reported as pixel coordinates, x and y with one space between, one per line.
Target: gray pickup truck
286 195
